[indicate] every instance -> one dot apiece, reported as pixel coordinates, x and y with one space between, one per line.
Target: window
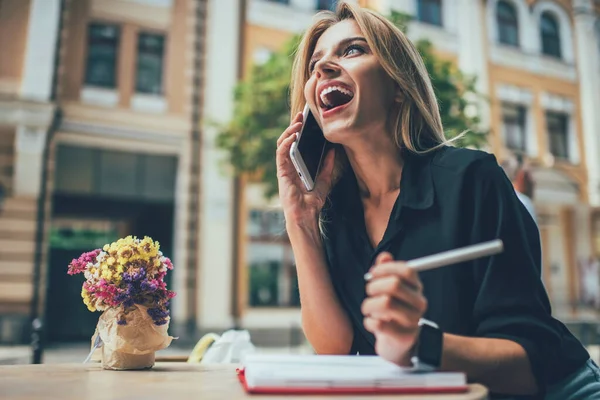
326 4
280 1
508 26
101 67
273 284
114 174
271 270
266 224
150 62
557 125
430 11
514 125
550 35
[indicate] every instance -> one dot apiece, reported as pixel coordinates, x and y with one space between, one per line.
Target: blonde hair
419 125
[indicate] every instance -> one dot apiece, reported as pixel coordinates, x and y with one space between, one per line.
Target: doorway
101 196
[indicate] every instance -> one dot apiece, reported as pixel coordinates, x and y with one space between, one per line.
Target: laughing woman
394 189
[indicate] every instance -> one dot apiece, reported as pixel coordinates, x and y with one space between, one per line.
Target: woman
393 189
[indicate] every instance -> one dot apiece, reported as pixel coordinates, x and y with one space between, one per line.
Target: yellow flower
111 261
125 253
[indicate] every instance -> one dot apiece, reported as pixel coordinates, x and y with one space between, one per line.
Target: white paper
339 371
230 348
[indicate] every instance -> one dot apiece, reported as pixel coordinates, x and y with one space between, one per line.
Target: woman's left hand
393 307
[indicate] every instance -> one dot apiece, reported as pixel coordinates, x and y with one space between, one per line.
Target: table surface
166 381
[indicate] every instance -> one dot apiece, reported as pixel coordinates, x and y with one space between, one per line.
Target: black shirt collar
416 186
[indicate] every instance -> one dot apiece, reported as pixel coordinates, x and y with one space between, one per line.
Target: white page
339 371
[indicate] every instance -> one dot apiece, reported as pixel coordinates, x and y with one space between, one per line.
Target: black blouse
451 198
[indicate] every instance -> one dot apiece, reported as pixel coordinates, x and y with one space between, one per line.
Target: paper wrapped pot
131 346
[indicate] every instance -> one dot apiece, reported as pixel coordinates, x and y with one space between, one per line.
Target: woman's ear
399 96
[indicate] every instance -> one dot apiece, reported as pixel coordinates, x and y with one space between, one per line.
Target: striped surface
17 246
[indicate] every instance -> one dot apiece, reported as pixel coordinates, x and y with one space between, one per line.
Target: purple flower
159 315
139 275
148 287
122 322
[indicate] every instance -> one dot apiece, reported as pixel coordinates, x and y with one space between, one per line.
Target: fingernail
368 276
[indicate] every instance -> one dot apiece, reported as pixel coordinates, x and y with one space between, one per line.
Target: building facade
101 132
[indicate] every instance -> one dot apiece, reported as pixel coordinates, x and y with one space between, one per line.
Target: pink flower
79 265
167 262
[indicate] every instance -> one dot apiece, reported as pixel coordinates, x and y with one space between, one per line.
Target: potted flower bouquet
125 280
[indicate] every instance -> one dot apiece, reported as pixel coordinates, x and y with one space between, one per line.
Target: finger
394 287
388 308
290 130
377 326
399 268
298 118
384 257
295 126
283 153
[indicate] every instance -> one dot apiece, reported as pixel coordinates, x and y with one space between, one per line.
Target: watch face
430 346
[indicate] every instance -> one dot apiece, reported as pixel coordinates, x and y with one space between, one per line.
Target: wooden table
166 381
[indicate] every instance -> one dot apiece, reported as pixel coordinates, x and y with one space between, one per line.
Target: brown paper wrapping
131 346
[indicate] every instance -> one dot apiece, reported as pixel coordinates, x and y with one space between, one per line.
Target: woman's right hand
299 205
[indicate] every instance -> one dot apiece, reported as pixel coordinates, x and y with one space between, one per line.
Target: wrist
306 224
303 236
426 353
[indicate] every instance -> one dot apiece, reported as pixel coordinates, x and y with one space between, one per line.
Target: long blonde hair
419 125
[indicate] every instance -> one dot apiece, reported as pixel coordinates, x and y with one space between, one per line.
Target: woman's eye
311 66
354 49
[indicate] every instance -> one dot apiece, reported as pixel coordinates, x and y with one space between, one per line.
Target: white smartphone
308 150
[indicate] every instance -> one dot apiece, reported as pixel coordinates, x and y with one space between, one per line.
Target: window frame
421 16
117 47
503 21
562 118
554 37
519 120
332 5
163 35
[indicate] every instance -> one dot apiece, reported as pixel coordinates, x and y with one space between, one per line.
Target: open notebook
280 374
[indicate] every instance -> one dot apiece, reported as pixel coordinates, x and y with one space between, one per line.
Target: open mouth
335 96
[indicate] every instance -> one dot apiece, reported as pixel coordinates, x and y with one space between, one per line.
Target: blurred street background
116 119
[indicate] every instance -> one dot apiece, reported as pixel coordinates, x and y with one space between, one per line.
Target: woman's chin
336 136
339 131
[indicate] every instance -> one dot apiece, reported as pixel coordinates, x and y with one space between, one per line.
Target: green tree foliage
261 111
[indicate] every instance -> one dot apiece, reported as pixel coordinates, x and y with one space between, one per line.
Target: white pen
455 256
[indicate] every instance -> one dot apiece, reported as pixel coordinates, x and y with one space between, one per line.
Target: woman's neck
377 167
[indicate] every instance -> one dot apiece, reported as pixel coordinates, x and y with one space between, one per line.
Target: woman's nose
326 68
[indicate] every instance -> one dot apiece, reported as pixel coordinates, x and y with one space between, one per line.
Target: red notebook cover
346 390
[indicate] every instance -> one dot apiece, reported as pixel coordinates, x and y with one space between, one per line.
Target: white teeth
330 89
